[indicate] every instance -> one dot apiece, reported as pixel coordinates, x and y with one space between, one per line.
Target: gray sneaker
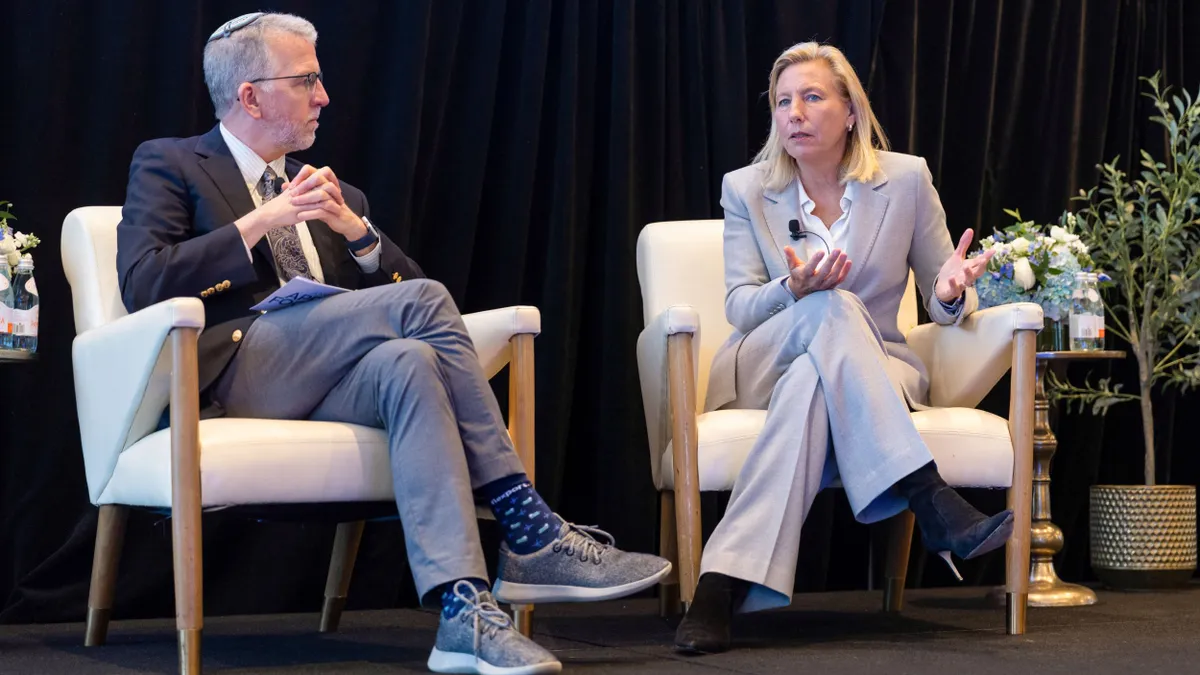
481 639
575 568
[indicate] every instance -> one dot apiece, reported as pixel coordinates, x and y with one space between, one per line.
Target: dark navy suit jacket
177 238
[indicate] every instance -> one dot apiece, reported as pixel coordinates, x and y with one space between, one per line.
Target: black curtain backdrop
516 149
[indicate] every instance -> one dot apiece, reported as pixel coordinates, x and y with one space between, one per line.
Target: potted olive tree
1144 232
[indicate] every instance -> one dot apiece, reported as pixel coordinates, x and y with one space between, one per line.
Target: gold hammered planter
1143 537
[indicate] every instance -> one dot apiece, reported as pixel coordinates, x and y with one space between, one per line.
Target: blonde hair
860 161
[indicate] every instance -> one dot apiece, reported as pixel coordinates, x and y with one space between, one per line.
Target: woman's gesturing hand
958 273
811 276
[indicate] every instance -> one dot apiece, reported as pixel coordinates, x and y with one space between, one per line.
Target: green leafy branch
1100 396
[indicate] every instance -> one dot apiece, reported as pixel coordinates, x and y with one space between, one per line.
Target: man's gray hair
244 56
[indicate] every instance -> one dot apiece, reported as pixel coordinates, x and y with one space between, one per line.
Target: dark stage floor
941 631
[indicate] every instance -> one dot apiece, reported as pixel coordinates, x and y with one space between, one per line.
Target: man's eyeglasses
310 79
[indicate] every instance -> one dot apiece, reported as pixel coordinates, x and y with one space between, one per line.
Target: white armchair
681 271
128 367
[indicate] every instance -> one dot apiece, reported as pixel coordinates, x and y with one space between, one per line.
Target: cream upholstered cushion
725 438
971 447
250 461
122 377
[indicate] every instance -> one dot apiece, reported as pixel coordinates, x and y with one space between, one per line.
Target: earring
850 128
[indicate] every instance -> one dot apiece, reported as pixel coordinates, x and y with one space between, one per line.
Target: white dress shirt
252 167
833 235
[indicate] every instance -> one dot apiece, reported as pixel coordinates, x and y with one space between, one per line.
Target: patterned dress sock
527 523
451 603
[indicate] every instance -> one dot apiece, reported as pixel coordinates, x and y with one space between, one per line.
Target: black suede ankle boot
950 525
706 627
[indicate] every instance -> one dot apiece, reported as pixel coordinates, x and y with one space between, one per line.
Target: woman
820 234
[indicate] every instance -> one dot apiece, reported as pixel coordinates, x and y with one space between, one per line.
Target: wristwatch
366 240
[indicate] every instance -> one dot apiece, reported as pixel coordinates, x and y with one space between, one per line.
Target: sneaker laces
580 538
488 617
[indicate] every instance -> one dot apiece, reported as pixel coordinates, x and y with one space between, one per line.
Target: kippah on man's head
234 25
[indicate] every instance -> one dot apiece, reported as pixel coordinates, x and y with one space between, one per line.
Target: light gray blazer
896 223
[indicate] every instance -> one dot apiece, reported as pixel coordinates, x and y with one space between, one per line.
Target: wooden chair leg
685 446
521 430
185 499
668 547
110 537
1021 493
341 566
900 534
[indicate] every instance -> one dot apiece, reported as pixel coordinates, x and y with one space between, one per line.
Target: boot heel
945 555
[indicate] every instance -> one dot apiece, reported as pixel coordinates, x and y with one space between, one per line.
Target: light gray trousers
396 357
820 370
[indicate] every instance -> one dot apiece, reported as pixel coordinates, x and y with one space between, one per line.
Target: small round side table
1045 588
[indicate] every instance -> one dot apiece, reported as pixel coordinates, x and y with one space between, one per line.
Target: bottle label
1087 327
5 317
25 322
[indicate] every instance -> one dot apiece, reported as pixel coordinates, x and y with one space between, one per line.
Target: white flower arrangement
1033 265
13 244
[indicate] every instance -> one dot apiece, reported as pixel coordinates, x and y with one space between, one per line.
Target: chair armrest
654 374
491 332
122 381
966 361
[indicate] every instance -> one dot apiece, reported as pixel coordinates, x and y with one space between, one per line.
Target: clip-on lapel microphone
797 234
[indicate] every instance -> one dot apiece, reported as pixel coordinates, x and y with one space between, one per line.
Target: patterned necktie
284 241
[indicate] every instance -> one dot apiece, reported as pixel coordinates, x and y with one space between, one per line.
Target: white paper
1086 327
24 322
296 291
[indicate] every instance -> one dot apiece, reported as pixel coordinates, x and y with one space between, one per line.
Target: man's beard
291 137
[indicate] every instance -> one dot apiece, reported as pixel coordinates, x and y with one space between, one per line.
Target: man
228 216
